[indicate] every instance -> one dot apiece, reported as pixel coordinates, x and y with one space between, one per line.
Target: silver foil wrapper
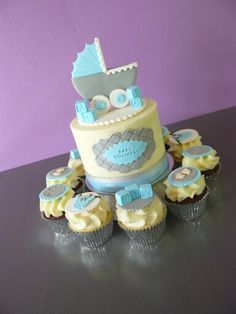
187 212
58 225
95 238
146 236
211 180
63 240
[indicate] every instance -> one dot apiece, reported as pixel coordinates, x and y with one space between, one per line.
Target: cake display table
191 270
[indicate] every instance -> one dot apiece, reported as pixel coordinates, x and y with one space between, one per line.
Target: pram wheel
119 98
101 104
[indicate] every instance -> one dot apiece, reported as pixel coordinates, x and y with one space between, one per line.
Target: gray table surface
191 270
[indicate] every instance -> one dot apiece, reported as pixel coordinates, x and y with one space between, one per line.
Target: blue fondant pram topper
91 77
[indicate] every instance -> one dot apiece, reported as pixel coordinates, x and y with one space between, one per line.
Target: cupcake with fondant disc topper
205 158
166 136
66 176
52 205
90 219
186 193
141 214
182 140
75 163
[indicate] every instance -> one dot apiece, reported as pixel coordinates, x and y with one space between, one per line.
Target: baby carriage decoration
105 88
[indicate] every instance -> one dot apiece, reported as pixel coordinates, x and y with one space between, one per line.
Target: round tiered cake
118 134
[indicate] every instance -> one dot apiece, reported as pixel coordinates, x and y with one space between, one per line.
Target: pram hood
91 61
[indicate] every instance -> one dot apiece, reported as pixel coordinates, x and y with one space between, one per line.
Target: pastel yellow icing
142 218
167 138
70 180
86 221
77 165
176 150
56 207
87 136
202 163
181 193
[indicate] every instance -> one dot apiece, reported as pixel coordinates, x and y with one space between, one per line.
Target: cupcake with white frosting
52 205
75 163
186 193
141 214
90 219
205 158
182 140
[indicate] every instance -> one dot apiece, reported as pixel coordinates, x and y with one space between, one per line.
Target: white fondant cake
118 135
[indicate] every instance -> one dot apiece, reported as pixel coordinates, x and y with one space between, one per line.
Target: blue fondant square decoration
74 154
133 92
80 116
88 117
146 191
134 191
123 197
81 106
136 103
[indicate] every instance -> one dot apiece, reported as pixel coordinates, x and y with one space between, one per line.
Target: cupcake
182 140
52 204
75 163
90 219
204 158
186 193
166 136
66 176
141 214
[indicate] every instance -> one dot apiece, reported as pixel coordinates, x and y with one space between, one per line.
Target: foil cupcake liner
93 239
211 180
58 225
63 240
187 212
146 236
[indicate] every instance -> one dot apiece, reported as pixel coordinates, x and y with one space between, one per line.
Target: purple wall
186 51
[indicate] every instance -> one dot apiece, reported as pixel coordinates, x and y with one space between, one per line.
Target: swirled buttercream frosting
142 218
63 175
184 182
53 200
202 157
166 135
77 165
181 141
87 212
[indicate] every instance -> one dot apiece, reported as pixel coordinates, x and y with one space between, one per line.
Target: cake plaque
125 151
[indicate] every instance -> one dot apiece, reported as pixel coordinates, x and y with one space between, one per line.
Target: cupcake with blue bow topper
186 193
205 158
90 219
141 214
